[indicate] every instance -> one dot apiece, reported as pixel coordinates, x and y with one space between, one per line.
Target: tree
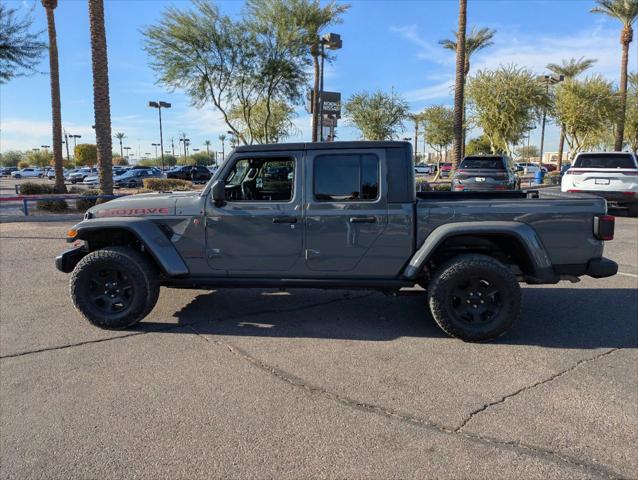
504 103
479 146
11 158
56 109
39 158
274 121
20 48
631 120
477 40
222 138
379 116
438 128
122 161
586 109
85 154
626 11
120 136
528 152
230 63
459 84
207 143
568 69
101 98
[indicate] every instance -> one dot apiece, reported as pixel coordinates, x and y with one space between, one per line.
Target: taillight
500 187
629 193
604 227
459 188
574 190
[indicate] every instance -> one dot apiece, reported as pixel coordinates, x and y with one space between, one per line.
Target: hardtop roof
321 146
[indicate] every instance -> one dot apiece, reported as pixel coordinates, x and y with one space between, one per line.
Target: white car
91 180
27 173
528 168
612 175
81 174
422 169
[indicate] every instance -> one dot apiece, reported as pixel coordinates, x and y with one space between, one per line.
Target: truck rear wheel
114 288
474 298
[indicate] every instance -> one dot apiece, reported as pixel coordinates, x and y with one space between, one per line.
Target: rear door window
343 177
612 160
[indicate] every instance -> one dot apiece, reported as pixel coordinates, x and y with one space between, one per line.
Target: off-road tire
457 307
138 274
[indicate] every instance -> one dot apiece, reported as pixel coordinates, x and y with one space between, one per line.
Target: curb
47 218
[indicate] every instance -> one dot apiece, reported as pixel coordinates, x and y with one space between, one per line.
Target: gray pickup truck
334 215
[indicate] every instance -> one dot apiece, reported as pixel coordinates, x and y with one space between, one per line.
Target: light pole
333 42
184 141
66 142
159 105
127 152
547 80
75 144
158 145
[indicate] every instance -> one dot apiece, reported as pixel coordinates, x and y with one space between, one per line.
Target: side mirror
219 193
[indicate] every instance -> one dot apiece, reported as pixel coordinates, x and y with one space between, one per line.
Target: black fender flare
155 241
543 270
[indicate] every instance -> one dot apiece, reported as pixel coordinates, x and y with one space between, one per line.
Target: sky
386 45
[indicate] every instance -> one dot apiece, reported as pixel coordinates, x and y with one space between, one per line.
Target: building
552 157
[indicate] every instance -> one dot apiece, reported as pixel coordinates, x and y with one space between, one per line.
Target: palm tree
222 138
101 101
207 143
56 109
120 136
312 20
459 85
477 40
626 11
568 69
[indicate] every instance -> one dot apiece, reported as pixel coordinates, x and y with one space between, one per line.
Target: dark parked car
134 178
202 174
485 172
6 171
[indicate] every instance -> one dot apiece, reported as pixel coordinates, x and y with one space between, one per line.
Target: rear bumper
601 268
615 197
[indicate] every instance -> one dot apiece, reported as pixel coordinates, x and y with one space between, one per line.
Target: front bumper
67 260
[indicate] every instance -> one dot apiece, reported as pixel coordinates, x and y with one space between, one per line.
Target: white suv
612 175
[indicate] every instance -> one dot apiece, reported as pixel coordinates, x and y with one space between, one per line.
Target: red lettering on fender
133 212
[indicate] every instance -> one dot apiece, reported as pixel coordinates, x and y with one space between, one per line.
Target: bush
166 184
32 188
422 185
441 187
23 164
83 203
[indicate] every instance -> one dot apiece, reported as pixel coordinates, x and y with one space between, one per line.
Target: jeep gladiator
334 215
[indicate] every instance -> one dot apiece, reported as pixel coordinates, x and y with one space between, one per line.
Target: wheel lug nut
475 306
482 301
467 301
480 294
471 294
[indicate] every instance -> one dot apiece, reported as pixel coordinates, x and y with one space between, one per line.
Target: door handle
284 220
363 219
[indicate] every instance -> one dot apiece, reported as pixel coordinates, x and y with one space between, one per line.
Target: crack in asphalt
519 447
529 387
169 327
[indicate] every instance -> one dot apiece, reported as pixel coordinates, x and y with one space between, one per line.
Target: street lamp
547 80
185 141
159 105
75 144
127 152
158 145
333 42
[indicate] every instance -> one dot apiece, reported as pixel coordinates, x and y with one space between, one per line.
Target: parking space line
628 274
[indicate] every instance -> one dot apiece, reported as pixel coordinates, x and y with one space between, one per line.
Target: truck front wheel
115 287
474 298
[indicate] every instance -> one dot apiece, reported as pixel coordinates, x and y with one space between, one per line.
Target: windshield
483 163
611 160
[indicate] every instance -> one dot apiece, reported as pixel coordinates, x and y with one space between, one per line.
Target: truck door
346 208
259 230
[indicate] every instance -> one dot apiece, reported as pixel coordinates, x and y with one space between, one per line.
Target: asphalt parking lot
309 383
